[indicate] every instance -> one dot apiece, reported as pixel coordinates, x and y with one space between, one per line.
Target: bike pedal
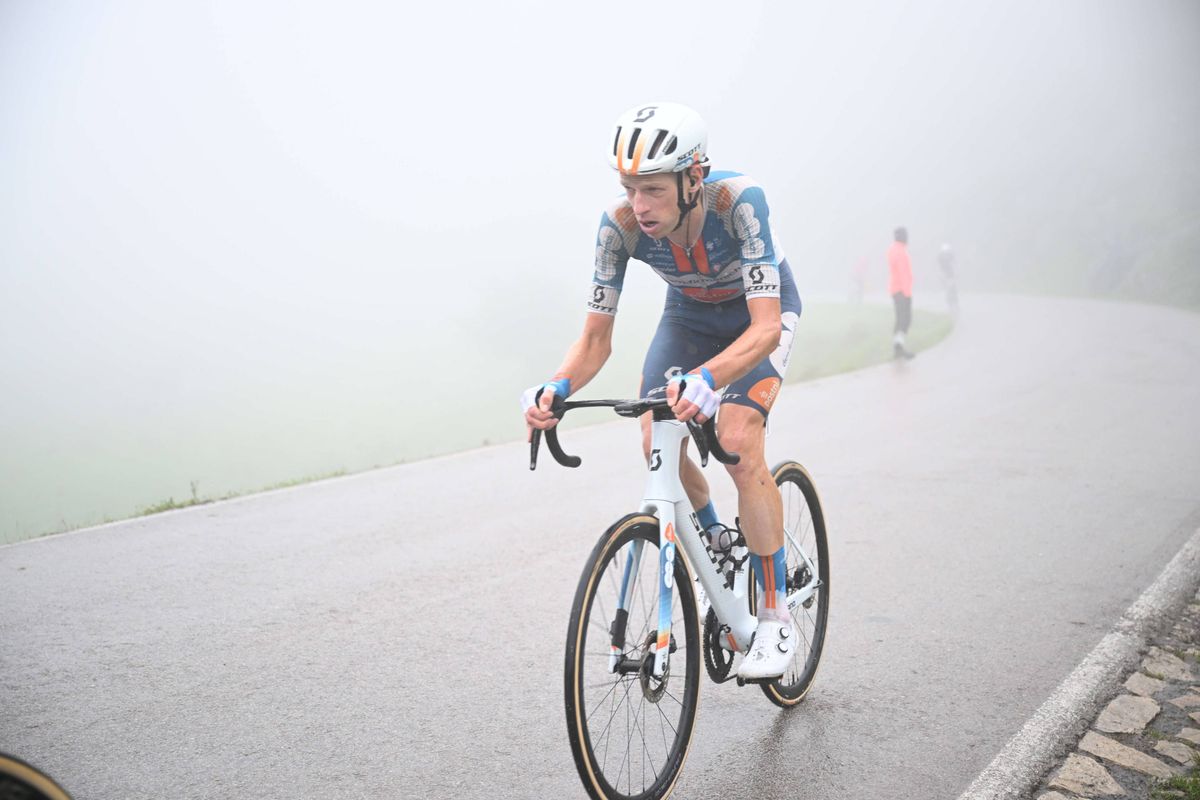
757 681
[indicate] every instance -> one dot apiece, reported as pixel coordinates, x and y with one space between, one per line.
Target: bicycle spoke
641 729
627 684
625 758
646 750
667 719
607 694
663 730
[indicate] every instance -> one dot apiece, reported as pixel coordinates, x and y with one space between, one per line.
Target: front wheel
804 534
630 730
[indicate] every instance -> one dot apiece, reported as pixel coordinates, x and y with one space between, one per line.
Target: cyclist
730 313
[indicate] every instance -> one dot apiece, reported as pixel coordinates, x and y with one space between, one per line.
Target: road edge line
1016 770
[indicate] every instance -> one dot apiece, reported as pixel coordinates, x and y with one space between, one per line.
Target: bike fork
666 587
661 646
617 632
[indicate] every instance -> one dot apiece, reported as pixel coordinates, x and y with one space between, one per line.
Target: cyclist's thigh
759 388
675 348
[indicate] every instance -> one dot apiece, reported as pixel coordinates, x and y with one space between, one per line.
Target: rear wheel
630 731
804 532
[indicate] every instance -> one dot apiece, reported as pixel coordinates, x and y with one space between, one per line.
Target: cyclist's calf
759 507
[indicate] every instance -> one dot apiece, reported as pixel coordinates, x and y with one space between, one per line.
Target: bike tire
19 779
804 524
606 717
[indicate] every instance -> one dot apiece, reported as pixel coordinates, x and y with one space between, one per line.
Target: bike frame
678 527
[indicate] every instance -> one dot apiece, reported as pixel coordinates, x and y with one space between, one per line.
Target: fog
244 244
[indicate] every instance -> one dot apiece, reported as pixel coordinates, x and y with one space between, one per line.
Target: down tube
666 586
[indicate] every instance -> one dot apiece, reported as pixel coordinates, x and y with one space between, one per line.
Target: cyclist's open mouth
647 225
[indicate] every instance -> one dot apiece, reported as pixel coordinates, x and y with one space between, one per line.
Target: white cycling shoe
770 653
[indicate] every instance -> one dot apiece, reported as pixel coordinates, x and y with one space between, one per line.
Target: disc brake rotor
653 688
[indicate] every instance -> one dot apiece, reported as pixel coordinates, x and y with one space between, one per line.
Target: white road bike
634 643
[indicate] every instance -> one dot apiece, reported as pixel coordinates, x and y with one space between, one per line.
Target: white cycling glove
698 388
559 386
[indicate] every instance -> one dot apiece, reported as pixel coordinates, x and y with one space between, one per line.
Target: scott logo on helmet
690 156
645 113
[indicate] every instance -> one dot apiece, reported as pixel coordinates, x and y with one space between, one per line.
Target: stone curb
1145 735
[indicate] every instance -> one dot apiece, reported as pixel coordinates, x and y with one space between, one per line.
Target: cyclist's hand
697 398
537 409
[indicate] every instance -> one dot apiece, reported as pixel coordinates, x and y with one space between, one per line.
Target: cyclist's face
655 202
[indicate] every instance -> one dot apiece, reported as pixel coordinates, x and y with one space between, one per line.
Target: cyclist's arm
757 342
583 360
590 351
760 275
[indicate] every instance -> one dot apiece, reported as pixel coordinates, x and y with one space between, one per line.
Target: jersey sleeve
612 255
751 227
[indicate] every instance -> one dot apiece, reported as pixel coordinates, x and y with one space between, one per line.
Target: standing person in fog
730 314
900 287
946 265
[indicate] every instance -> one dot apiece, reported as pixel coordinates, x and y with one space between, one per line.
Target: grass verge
171 504
1181 787
832 339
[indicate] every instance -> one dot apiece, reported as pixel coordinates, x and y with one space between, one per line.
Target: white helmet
658 137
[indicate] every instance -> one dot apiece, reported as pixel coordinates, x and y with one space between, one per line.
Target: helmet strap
685 208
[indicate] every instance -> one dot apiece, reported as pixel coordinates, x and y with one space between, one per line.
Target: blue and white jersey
737 255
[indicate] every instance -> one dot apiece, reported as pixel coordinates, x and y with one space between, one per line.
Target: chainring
717 660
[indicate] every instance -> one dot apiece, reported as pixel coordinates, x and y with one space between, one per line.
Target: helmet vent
670 148
658 140
616 141
637 132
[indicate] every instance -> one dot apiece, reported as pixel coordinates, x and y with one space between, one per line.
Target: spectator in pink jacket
900 288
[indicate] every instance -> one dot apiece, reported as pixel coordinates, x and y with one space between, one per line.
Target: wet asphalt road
993 507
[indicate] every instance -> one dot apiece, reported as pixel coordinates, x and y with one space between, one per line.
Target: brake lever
718 450
534 441
701 440
558 409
